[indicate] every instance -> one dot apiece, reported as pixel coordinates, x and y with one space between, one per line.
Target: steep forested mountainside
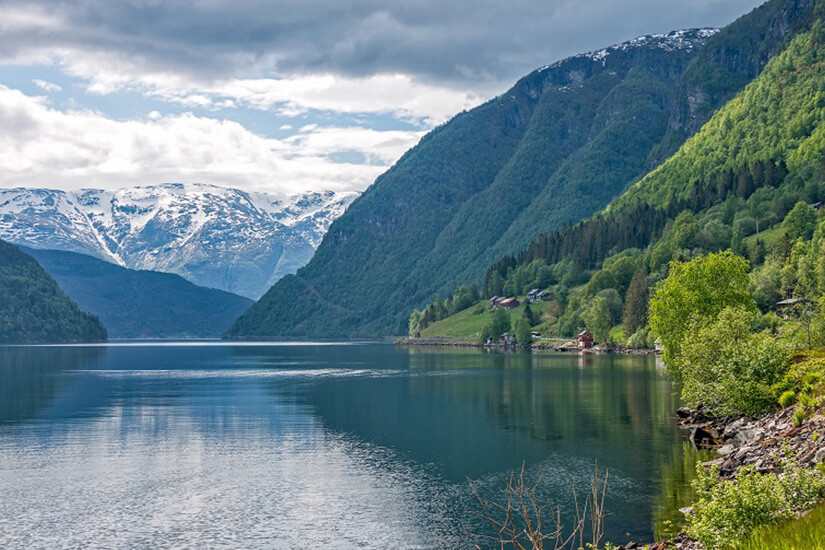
752 162
216 237
33 309
141 304
554 149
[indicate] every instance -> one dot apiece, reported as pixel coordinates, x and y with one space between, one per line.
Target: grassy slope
468 323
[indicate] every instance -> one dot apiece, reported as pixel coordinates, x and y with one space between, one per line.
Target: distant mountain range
213 236
141 304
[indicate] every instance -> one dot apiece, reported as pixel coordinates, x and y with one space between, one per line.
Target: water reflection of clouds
187 490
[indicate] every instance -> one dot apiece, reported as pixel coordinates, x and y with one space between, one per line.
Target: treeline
586 244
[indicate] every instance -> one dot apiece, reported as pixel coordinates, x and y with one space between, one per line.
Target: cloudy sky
282 95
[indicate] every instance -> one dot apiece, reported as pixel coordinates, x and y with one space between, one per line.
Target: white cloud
49 87
44 147
395 94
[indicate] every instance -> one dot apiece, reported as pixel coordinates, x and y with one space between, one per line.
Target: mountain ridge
216 237
141 304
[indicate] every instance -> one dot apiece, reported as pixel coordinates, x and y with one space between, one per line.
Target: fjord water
319 445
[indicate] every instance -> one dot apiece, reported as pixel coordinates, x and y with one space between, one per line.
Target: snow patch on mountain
686 39
214 236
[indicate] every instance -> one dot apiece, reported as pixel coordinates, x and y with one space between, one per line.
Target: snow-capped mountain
687 40
214 236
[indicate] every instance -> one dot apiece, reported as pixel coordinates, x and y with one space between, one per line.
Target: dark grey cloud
466 43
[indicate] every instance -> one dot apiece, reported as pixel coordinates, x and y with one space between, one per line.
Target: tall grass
806 533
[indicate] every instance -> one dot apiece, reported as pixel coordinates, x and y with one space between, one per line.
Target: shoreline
446 341
763 441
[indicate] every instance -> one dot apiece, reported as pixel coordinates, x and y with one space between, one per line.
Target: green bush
727 367
799 417
640 340
728 510
787 399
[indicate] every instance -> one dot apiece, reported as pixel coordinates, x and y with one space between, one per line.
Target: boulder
704 437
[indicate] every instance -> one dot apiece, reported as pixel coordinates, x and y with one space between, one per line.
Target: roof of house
790 302
585 332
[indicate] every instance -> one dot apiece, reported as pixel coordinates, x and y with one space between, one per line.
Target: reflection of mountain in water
614 408
481 416
30 377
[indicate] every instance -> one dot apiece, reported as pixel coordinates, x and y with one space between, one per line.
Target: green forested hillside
745 182
759 155
141 304
553 150
33 309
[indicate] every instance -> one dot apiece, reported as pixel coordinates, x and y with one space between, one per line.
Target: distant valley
215 237
140 304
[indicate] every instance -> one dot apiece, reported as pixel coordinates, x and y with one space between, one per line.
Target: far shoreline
445 341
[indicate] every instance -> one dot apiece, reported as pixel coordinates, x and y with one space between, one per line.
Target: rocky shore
764 441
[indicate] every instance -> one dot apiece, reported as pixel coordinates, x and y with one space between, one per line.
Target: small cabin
509 303
537 295
494 301
786 307
585 339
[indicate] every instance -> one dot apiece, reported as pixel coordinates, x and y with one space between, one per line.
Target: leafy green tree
499 324
597 318
694 293
494 285
635 304
415 323
523 331
614 304
737 244
801 221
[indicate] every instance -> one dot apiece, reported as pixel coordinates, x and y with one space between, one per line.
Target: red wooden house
585 339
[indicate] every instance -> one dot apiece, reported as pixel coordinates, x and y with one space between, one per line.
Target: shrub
727 510
639 340
799 417
728 368
787 399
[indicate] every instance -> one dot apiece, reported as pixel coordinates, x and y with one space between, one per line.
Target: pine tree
529 316
635 304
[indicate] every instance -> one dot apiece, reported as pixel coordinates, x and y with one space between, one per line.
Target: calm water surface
319 445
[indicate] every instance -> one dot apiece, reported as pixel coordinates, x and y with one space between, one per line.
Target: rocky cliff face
213 236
